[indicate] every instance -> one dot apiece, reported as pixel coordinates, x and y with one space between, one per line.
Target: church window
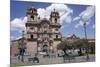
32 17
31 36
56 36
55 20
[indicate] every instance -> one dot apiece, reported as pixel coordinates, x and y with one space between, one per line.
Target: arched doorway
45 48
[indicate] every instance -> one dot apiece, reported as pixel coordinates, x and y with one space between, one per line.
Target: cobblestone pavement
53 60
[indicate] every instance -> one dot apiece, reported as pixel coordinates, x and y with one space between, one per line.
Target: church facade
42 35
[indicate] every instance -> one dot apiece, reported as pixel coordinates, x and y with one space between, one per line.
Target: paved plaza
51 60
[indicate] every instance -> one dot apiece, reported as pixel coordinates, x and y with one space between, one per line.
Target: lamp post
85 33
22 47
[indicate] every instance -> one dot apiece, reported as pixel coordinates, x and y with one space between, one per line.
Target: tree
64 45
81 43
92 47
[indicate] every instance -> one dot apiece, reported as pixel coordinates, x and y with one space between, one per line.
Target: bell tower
31 30
32 14
55 25
54 17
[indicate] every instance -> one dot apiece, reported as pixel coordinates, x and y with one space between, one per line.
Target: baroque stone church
42 35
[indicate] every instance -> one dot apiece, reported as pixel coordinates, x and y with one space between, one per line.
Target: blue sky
71 19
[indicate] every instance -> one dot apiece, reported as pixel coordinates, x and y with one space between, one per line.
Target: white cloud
66 18
85 16
88 13
18 24
76 18
64 11
41 12
61 8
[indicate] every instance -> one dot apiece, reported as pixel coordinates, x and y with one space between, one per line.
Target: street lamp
22 47
85 33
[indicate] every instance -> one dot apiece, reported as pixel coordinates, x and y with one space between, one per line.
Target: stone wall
31 47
